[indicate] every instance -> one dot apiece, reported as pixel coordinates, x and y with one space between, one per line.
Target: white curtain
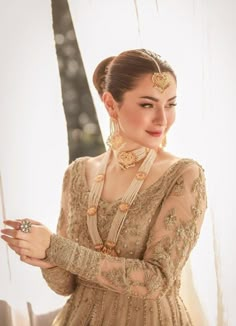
33 147
197 37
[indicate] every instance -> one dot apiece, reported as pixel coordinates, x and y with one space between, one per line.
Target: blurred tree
84 135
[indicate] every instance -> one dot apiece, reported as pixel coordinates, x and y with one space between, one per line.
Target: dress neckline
142 192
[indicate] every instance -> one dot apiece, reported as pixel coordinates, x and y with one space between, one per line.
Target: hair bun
99 76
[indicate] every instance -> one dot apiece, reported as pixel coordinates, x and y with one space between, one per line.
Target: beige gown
141 286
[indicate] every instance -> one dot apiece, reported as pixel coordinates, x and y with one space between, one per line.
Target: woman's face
145 113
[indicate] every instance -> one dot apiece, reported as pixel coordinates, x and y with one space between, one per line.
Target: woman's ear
110 104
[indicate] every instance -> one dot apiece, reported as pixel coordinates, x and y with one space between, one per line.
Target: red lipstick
155 133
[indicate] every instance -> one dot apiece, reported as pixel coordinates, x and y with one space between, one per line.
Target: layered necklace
125 160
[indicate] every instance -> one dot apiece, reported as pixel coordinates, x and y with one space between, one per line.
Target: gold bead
98 247
110 244
123 207
92 211
99 177
141 175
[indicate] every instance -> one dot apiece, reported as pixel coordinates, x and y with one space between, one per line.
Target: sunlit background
51 114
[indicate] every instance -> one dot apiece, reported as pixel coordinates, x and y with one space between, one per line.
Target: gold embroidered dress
141 286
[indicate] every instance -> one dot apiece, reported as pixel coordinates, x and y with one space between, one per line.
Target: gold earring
115 140
164 142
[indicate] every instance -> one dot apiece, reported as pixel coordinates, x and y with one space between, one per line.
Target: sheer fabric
151 257
33 142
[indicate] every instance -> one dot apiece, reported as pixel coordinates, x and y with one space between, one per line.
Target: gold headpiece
161 80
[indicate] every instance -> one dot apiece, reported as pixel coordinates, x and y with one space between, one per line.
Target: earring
115 140
164 142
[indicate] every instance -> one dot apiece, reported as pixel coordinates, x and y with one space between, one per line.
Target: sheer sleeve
170 242
58 278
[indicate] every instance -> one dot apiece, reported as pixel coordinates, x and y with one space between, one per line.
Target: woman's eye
171 105
146 105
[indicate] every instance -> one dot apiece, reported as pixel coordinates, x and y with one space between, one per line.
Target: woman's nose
160 116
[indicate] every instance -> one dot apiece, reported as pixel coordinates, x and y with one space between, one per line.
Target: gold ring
25 226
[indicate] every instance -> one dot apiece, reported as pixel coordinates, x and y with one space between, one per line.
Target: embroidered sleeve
58 279
171 240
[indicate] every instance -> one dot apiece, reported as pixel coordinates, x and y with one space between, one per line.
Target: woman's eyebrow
156 99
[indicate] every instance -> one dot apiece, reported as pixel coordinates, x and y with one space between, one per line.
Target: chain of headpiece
160 79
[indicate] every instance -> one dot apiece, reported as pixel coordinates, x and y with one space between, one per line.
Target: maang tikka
161 80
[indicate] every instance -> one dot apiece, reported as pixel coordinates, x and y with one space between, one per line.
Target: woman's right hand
42 263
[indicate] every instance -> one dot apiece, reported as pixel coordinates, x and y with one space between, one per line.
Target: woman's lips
155 133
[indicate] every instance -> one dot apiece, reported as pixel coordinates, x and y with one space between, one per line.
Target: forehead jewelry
161 80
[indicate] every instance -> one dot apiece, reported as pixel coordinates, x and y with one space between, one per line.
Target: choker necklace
128 159
125 203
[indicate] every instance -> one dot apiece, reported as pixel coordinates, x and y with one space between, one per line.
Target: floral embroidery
178 188
170 219
196 211
115 277
199 186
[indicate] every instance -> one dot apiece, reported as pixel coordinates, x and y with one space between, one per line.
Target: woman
129 217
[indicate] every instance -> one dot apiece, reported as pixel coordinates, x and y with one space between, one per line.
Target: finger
35 262
15 233
15 242
17 223
31 221
20 251
13 223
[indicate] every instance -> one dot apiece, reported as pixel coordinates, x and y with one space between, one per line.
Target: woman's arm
58 279
31 246
171 240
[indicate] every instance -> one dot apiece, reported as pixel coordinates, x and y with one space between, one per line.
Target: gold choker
128 159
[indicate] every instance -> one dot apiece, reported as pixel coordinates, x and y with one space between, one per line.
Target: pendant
126 160
161 81
109 251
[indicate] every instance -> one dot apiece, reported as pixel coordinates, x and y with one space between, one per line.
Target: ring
25 226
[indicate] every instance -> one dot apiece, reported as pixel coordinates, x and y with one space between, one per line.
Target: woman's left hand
32 244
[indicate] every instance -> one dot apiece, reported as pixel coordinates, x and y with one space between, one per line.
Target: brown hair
120 74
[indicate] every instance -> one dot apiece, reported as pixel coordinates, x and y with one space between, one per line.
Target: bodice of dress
160 230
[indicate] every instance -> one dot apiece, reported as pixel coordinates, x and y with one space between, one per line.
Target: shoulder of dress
190 169
78 161
75 166
185 167
188 163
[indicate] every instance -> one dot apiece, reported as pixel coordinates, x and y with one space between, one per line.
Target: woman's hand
30 246
36 262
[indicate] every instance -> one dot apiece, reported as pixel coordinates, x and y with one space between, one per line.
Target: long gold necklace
95 194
